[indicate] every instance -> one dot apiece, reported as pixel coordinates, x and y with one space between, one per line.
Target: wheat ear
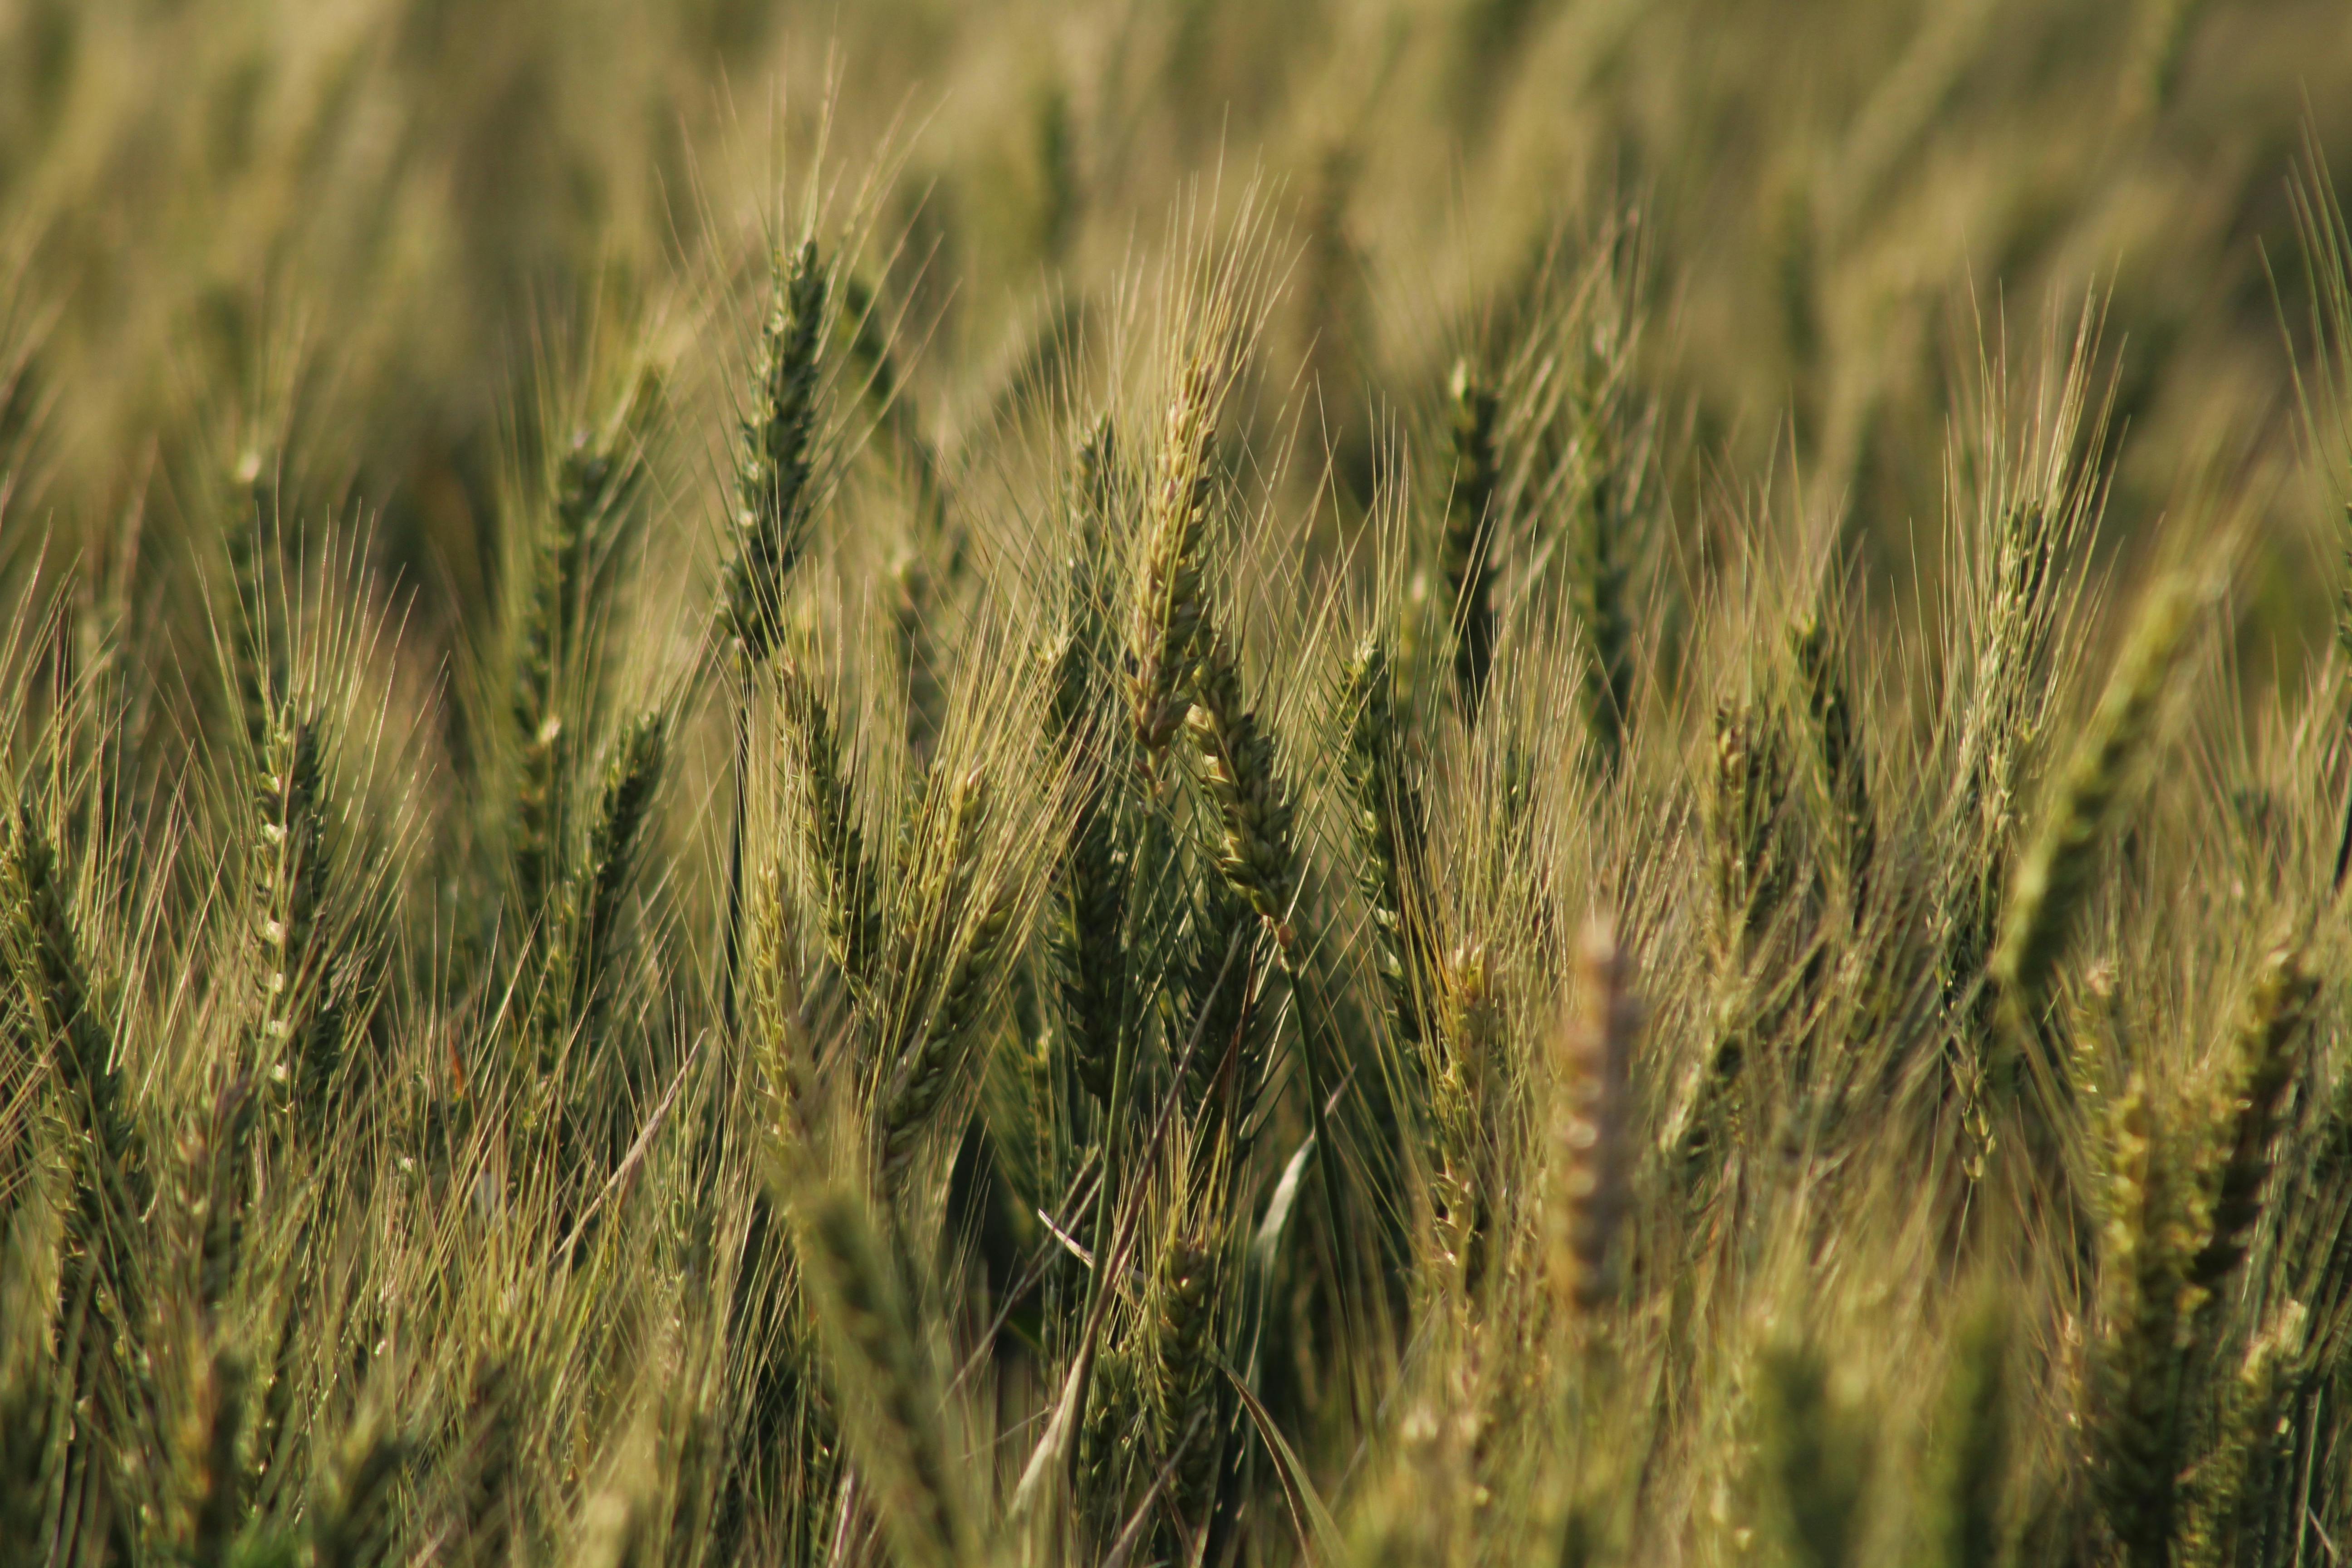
1256 855
2264 1058
1971 1468
2143 1270
1818 1460
2053 879
1591 1132
829 828
1466 553
921 1069
1391 822
888 1392
1843 770
773 464
1170 601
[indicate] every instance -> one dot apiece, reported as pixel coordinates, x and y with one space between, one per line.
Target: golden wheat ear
1592 1149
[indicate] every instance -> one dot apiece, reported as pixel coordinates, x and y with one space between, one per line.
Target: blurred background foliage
397 216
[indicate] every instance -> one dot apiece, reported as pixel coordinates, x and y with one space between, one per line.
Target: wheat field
1325 782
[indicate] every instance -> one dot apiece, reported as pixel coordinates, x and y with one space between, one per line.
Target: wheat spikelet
298 1028
1591 1135
1751 876
1466 552
1971 1471
54 988
256 661
2264 1058
883 1377
2054 879
1600 579
772 467
1256 855
1843 767
1092 881
1183 1303
112 1184
1390 823
541 773
1751 792
828 822
1171 603
593 478
1469 1032
1818 1461
2248 1423
28 1458
920 1070
209 1480
775 1008
2142 1268
614 846
351 1518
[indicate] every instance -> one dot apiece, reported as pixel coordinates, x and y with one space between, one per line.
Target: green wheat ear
2265 1057
299 1030
828 820
1171 602
953 941
1184 1303
1391 822
2137 1425
1257 854
29 1435
2054 879
1969 1475
1466 553
1817 1459
773 466
208 1479
586 941
888 1395
1088 736
1601 589
1843 769
352 1520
